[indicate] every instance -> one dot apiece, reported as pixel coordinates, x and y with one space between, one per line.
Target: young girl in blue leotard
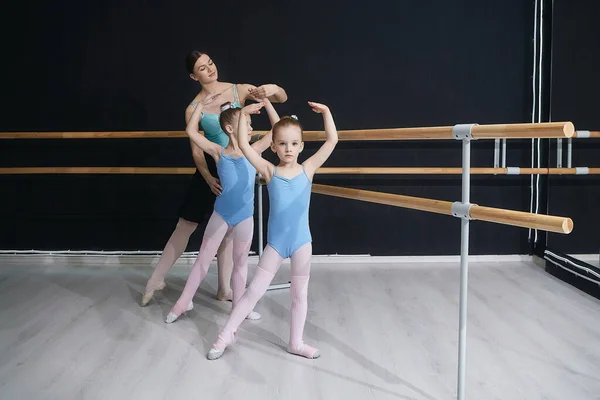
289 186
234 207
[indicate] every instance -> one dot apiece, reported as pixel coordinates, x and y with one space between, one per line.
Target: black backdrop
119 66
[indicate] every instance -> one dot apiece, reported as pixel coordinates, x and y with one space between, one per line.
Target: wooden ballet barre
452 171
98 170
93 135
573 171
496 215
320 171
501 131
587 134
508 131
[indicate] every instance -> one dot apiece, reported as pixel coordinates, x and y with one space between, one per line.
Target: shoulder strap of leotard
305 174
235 93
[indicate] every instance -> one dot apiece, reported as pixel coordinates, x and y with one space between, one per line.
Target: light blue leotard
289 200
236 175
236 201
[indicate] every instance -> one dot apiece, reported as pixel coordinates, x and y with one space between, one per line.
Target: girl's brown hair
287 121
227 117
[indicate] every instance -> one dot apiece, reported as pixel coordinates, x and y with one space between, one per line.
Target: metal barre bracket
583 134
461 210
463 131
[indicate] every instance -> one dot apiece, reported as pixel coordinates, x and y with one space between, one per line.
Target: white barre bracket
461 210
513 171
582 171
583 134
463 131
278 286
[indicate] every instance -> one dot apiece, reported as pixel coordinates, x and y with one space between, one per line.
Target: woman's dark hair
227 117
190 60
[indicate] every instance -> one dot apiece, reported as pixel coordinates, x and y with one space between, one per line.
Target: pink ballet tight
172 251
265 271
216 230
175 247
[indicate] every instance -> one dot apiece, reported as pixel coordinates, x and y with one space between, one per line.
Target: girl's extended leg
216 229
265 271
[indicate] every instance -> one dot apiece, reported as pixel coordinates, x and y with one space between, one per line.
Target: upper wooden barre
496 215
589 134
320 171
94 135
506 131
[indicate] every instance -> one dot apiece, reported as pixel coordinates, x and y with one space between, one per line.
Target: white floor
386 331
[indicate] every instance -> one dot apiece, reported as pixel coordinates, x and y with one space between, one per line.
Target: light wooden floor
385 332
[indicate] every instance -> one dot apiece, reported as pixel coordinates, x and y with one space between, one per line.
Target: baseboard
574 271
151 258
593 259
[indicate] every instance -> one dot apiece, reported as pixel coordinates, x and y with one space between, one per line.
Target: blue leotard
289 200
236 201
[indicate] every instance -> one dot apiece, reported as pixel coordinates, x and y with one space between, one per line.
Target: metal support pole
503 153
570 153
559 153
461 210
464 270
496 153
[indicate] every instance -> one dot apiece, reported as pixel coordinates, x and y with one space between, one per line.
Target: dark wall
119 66
575 87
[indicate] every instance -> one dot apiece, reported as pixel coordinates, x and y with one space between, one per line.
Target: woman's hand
214 185
263 91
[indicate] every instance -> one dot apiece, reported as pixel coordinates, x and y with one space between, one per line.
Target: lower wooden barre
424 171
522 219
98 170
321 171
573 171
448 171
496 215
397 200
